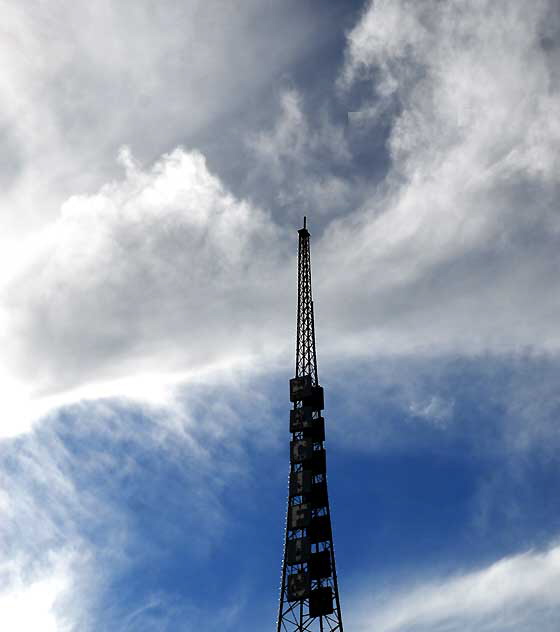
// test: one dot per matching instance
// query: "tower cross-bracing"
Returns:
(309, 599)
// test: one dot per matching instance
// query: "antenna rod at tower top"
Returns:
(306, 357)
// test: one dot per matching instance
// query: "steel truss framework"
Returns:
(309, 599)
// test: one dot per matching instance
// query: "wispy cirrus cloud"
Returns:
(443, 252)
(113, 489)
(30, 602)
(515, 593)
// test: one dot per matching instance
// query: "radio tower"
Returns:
(309, 598)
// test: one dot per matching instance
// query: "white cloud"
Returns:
(459, 249)
(31, 608)
(31, 604)
(162, 273)
(434, 409)
(515, 594)
(70, 496)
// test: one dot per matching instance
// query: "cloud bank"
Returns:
(165, 271)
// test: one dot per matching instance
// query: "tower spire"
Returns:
(309, 599)
(306, 354)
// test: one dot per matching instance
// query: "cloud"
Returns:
(434, 409)
(515, 593)
(492, 405)
(162, 75)
(161, 272)
(303, 161)
(161, 277)
(30, 604)
(458, 249)
(165, 273)
(111, 489)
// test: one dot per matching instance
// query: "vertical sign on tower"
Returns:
(309, 599)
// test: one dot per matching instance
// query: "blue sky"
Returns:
(157, 160)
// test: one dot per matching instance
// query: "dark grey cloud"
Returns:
(80, 80)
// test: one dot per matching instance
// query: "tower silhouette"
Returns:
(309, 599)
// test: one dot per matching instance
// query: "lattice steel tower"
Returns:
(309, 598)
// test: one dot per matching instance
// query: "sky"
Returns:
(157, 159)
